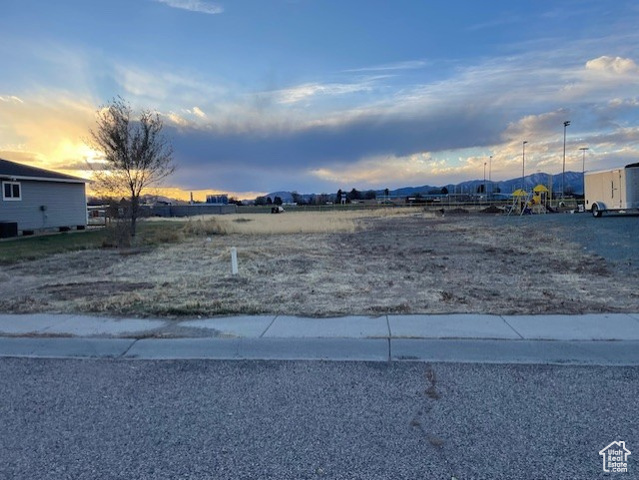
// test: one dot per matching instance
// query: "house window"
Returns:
(11, 191)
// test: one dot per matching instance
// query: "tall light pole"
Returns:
(485, 192)
(523, 162)
(583, 168)
(563, 170)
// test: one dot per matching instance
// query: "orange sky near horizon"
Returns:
(52, 131)
(446, 95)
(174, 193)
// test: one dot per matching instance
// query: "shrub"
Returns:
(117, 234)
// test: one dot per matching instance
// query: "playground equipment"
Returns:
(529, 203)
(539, 201)
(520, 201)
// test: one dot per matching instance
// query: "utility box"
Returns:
(615, 190)
(8, 229)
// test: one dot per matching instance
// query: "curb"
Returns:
(533, 352)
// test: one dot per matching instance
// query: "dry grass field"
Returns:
(327, 264)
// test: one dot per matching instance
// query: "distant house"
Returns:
(217, 199)
(38, 199)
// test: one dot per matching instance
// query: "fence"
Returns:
(186, 210)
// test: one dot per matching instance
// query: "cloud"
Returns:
(625, 136)
(141, 83)
(612, 65)
(200, 6)
(377, 171)
(321, 151)
(536, 126)
(166, 89)
(198, 113)
(178, 120)
(442, 129)
(46, 130)
(378, 130)
(624, 102)
(10, 98)
(305, 91)
(406, 65)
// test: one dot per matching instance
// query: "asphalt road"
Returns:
(93, 419)
(613, 237)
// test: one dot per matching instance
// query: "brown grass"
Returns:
(286, 223)
(324, 264)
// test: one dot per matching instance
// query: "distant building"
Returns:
(217, 199)
(37, 199)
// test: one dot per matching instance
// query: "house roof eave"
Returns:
(42, 179)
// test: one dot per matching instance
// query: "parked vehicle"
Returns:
(615, 190)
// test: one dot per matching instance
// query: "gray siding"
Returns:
(63, 205)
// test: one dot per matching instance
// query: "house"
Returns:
(37, 199)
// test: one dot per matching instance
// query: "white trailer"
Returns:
(615, 190)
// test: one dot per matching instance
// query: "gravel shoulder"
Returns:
(308, 420)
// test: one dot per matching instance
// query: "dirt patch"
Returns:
(406, 264)
(73, 291)
(492, 209)
(455, 211)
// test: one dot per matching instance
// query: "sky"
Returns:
(260, 96)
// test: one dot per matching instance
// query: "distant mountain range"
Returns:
(573, 184)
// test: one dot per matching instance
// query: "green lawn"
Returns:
(31, 248)
(39, 246)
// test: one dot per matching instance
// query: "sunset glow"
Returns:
(251, 109)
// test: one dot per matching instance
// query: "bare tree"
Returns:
(136, 153)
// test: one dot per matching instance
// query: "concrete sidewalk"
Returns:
(616, 326)
(573, 339)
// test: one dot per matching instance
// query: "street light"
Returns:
(523, 162)
(485, 193)
(563, 170)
